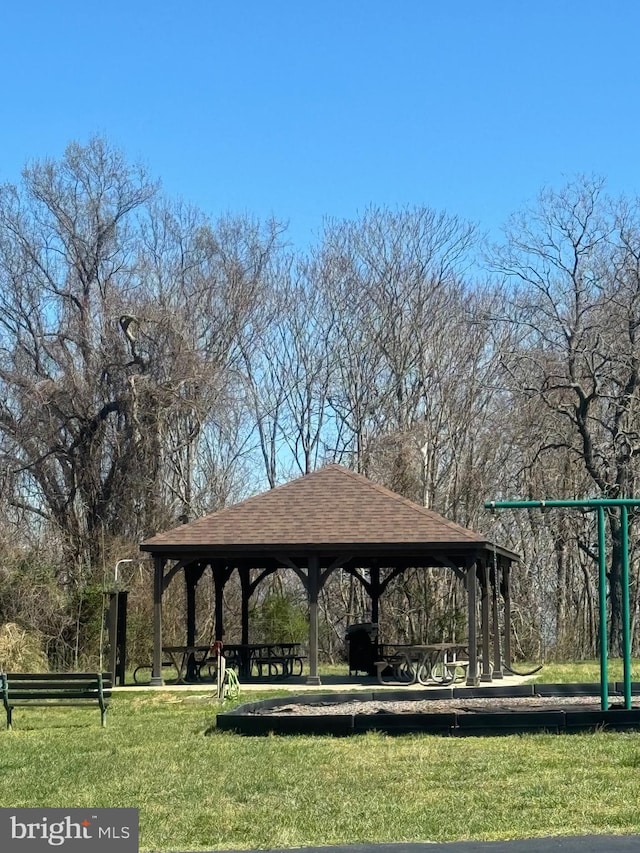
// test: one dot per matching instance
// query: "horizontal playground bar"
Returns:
(592, 503)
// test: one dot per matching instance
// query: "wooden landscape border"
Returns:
(570, 719)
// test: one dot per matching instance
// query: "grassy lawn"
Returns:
(581, 671)
(551, 673)
(197, 791)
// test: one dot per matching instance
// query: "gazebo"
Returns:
(321, 522)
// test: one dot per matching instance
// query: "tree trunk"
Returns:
(614, 576)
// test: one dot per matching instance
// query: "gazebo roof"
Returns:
(328, 509)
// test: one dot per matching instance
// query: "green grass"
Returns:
(551, 673)
(197, 791)
(581, 671)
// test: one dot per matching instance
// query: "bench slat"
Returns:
(92, 696)
(57, 693)
(58, 676)
(55, 703)
(55, 688)
(78, 683)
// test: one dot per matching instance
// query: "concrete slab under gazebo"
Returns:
(328, 520)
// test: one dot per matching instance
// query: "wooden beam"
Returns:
(485, 675)
(312, 591)
(374, 573)
(494, 577)
(173, 572)
(289, 564)
(221, 574)
(245, 586)
(158, 586)
(506, 597)
(339, 563)
(472, 672)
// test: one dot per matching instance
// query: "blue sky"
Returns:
(311, 109)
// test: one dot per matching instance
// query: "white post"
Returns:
(222, 665)
(118, 564)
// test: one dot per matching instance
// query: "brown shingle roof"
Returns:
(332, 506)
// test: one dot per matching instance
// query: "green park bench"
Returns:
(55, 688)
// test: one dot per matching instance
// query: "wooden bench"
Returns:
(55, 688)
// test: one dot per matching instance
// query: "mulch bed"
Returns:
(433, 706)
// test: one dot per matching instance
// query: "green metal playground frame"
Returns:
(599, 504)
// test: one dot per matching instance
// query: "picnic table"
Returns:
(429, 663)
(187, 660)
(275, 660)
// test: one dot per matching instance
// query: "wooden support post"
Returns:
(158, 575)
(245, 595)
(190, 580)
(245, 586)
(472, 672)
(313, 588)
(485, 675)
(495, 602)
(220, 576)
(121, 630)
(374, 574)
(506, 597)
(191, 576)
(113, 634)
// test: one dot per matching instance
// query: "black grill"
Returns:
(362, 647)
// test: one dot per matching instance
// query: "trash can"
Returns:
(362, 647)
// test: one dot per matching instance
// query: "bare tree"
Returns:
(304, 361)
(65, 364)
(574, 264)
(119, 321)
(209, 283)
